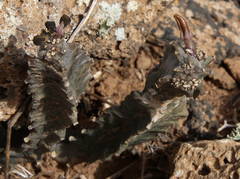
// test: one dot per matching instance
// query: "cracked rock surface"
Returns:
(207, 159)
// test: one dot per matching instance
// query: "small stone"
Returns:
(106, 106)
(83, 131)
(26, 139)
(75, 123)
(53, 154)
(72, 138)
(53, 53)
(97, 75)
(189, 13)
(54, 41)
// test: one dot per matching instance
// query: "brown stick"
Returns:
(12, 121)
(143, 165)
(118, 173)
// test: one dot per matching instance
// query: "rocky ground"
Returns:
(126, 39)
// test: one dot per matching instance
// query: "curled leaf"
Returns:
(185, 32)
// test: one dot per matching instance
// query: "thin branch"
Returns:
(118, 173)
(143, 165)
(12, 121)
(83, 21)
(21, 171)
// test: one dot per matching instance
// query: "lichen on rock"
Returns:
(206, 159)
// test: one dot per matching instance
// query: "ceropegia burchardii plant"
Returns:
(143, 116)
(56, 79)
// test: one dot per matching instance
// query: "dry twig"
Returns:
(12, 121)
(21, 171)
(83, 21)
(118, 173)
(143, 165)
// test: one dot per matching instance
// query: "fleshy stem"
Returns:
(185, 32)
(83, 21)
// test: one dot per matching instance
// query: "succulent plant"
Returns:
(59, 76)
(143, 116)
(56, 79)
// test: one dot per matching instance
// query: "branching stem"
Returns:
(12, 121)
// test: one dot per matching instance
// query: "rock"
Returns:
(222, 78)
(233, 65)
(207, 159)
